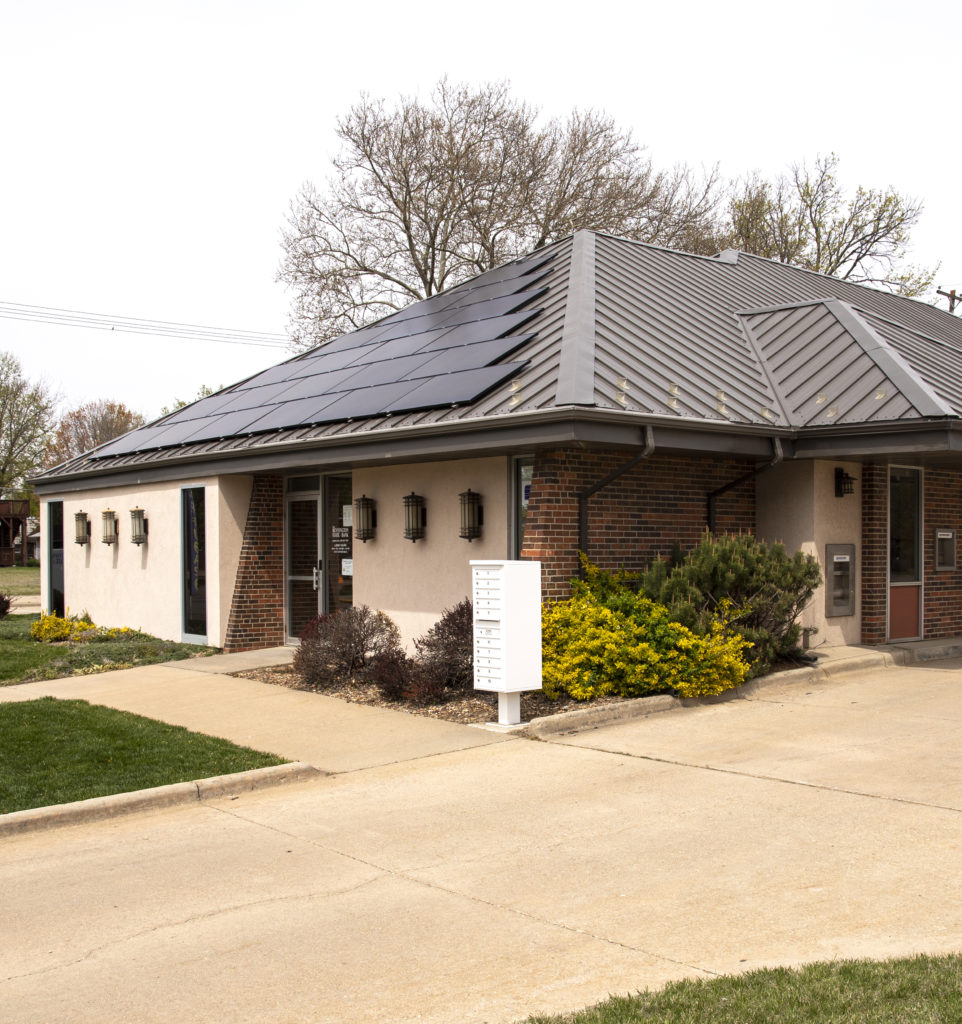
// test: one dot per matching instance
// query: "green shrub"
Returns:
(609, 640)
(338, 647)
(5, 605)
(759, 587)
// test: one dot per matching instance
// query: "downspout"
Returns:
(583, 497)
(716, 494)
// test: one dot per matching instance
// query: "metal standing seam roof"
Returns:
(590, 322)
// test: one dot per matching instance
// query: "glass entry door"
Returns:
(319, 554)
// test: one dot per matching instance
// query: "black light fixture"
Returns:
(472, 514)
(109, 520)
(81, 528)
(138, 526)
(844, 484)
(365, 518)
(415, 516)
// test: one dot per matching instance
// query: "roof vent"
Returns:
(728, 256)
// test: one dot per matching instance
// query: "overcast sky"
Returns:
(152, 149)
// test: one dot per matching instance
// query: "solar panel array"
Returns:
(446, 350)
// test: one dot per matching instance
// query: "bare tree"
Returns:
(26, 410)
(425, 195)
(806, 219)
(89, 426)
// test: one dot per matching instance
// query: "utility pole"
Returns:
(952, 297)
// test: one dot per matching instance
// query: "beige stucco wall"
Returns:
(124, 584)
(415, 581)
(796, 505)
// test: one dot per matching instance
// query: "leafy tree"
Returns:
(425, 195)
(89, 426)
(25, 413)
(179, 403)
(805, 218)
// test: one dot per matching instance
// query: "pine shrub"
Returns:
(758, 588)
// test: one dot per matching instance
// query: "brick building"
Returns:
(598, 395)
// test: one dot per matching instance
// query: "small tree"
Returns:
(26, 409)
(89, 426)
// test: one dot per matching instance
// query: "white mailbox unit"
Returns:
(507, 632)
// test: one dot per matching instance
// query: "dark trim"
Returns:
(713, 496)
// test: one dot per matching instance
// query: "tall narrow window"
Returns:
(524, 473)
(194, 563)
(904, 526)
(55, 598)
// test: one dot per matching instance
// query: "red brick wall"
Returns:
(257, 608)
(875, 546)
(941, 507)
(635, 519)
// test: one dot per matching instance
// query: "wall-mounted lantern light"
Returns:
(110, 527)
(365, 518)
(472, 514)
(81, 528)
(415, 516)
(844, 484)
(138, 526)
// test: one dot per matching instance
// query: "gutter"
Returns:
(583, 497)
(713, 496)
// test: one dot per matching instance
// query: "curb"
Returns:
(609, 714)
(97, 808)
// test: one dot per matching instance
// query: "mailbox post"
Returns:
(507, 632)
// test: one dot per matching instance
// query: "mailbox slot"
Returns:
(944, 548)
(839, 579)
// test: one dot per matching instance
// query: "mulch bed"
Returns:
(465, 708)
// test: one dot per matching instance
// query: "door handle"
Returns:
(316, 574)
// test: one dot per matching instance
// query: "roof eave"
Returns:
(565, 425)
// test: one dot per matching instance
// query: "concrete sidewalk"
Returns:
(200, 694)
(820, 819)
(324, 735)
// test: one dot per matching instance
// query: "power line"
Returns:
(138, 325)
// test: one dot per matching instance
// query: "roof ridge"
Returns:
(889, 361)
(576, 362)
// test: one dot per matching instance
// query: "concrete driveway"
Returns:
(484, 883)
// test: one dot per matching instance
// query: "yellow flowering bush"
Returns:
(609, 640)
(51, 629)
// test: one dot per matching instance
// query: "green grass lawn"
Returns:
(916, 990)
(23, 659)
(18, 580)
(57, 751)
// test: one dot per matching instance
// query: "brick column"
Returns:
(257, 608)
(875, 547)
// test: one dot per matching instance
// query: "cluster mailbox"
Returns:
(507, 632)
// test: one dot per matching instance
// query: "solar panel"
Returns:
(436, 352)
(454, 388)
(468, 357)
(479, 330)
